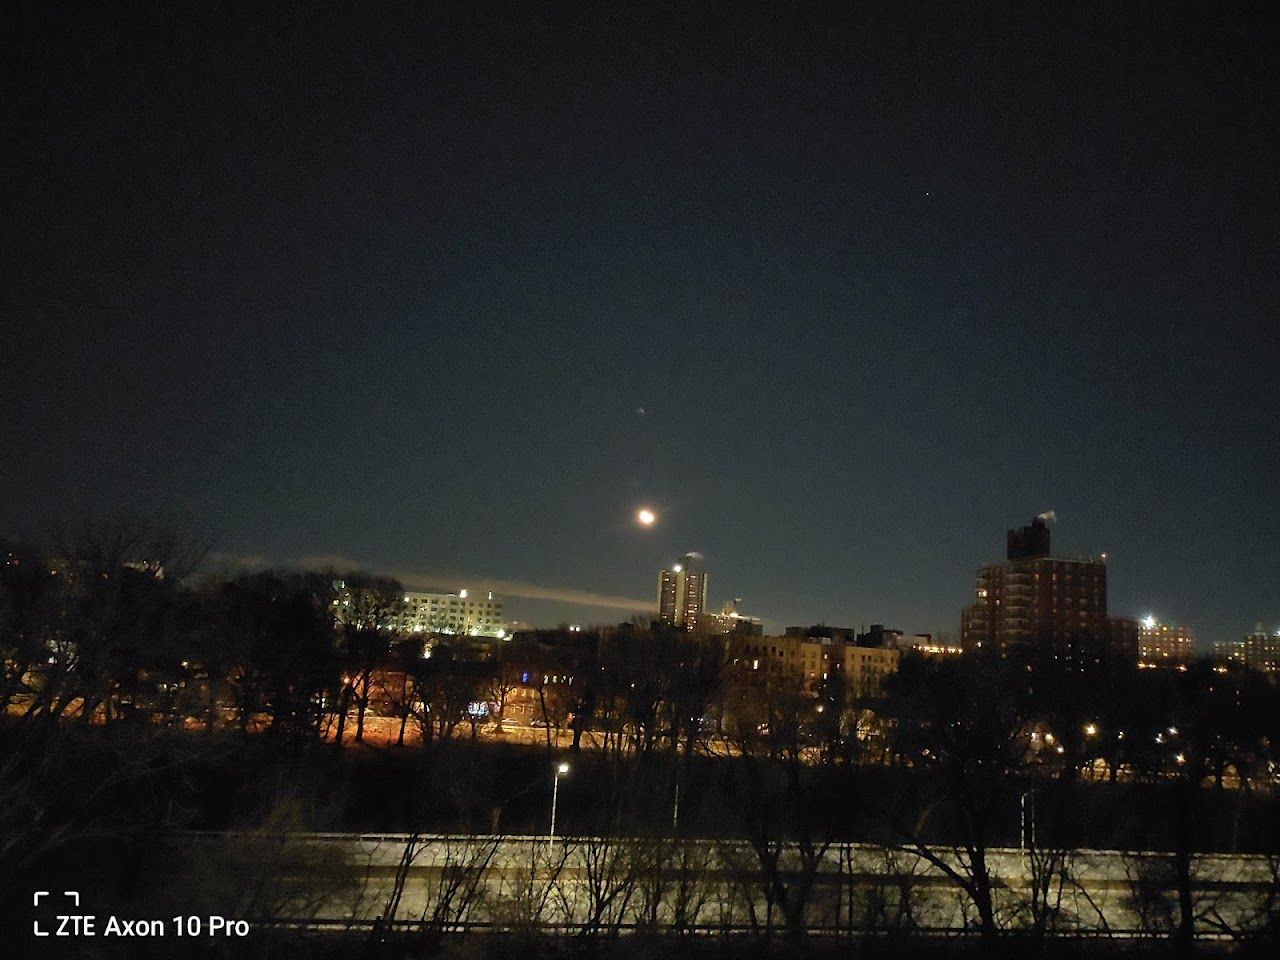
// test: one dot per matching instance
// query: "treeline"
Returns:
(110, 624)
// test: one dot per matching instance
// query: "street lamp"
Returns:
(555, 795)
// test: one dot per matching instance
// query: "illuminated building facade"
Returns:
(729, 620)
(682, 593)
(927, 645)
(1035, 597)
(1162, 644)
(1262, 651)
(812, 659)
(1258, 651)
(867, 668)
(465, 613)
(1228, 652)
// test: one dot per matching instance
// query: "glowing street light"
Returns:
(561, 768)
(646, 517)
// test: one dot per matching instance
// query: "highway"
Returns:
(474, 883)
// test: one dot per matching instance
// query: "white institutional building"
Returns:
(473, 614)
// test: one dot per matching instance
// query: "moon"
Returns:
(646, 517)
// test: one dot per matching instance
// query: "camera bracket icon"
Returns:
(72, 895)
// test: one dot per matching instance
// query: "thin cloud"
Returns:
(252, 561)
(451, 581)
(518, 588)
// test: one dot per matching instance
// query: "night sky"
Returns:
(391, 284)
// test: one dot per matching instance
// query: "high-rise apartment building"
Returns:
(682, 593)
(1054, 601)
(1162, 644)
(1257, 651)
(1262, 651)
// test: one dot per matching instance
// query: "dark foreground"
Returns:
(286, 946)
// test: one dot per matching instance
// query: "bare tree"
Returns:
(529, 892)
(273, 872)
(611, 868)
(274, 650)
(675, 885)
(453, 882)
(498, 687)
(445, 687)
(778, 796)
(960, 723)
(368, 613)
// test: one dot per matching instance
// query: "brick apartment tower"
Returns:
(1034, 597)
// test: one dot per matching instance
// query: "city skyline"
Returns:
(541, 605)
(838, 297)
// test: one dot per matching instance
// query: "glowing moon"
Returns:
(646, 517)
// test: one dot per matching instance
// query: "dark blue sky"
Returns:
(392, 285)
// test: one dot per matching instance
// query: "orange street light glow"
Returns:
(646, 517)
